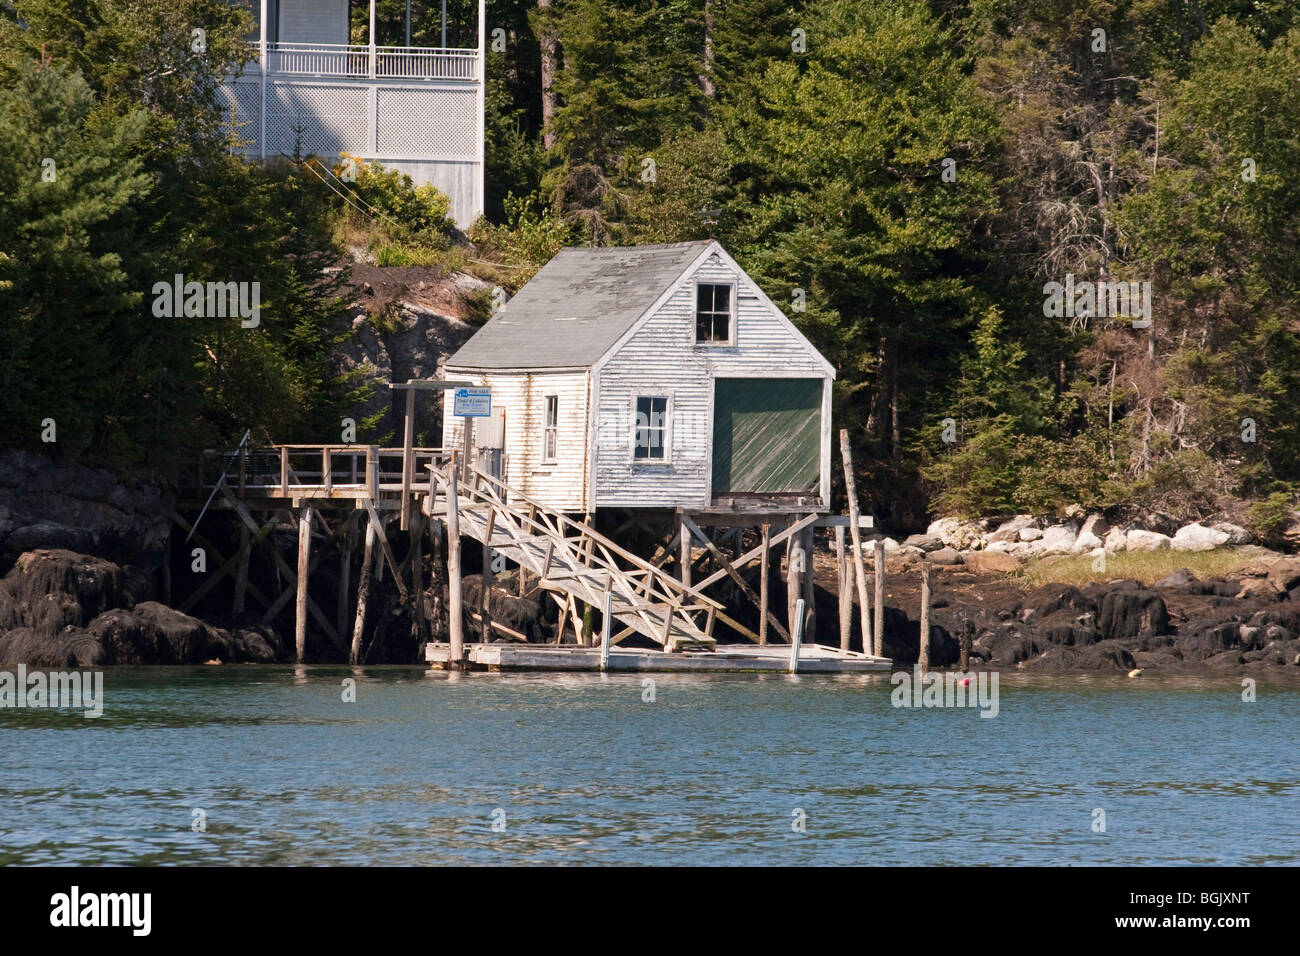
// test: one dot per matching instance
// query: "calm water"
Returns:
(585, 771)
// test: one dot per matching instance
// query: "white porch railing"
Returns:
(339, 59)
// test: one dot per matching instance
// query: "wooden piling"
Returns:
(685, 550)
(408, 458)
(456, 635)
(763, 575)
(880, 597)
(363, 592)
(923, 651)
(241, 575)
(810, 601)
(794, 568)
(304, 567)
(842, 590)
(485, 592)
(606, 622)
(418, 621)
(851, 490)
(796, 636)
(345, 580)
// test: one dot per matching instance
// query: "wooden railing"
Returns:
(643, 585)
(354, 60)
(316, 471)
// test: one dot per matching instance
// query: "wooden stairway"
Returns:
(574, 562)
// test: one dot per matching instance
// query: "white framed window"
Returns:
(551, 429)
(651, 431)
(715, 313)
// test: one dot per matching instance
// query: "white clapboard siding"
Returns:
(661, 358)
(313, 21)
(562, 485)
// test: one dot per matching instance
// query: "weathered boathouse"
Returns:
(651, 377)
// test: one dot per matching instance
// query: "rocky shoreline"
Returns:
(82, 553)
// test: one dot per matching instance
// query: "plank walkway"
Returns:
(726, 658)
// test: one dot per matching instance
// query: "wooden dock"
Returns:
(725, 658)
(560, 556)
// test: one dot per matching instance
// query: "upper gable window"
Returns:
(714, 318)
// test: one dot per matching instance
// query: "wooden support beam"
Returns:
(923, 651)
(387, 550)
(485, 606)
(241, 576)
(408, 458)
(752, 553)
(843, 592)
(498, 627)
(764, 573)
(212, 549)
(455, 624)
(797, 636)
(419, 625)
(810, 604)
(606, 623)
(685, 535)
(689, 527)
(794, 568)
(244, 515)
(304, 571)
(345, 578)
(851, 490)
(363, 593)
(880, 599)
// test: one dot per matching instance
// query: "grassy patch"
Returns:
(1145, 566)
(407, 254)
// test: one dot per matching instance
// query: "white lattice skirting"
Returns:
(430, 133)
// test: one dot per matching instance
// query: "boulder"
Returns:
(1068, 627)
(946, 556)
(1258, 589)
(1197, 537)
(1160, 522)
(1140, 540)
(1237, 535)
(1095, 524)
(1087, 542)
(1176, 579)
(957, 533)
(1030, 534)
(1206, 639)
(1116, 540)
(923, 542)
(1129, 613)
(1058, 539)
(992, 562)
(1010, 530)
(1284, 574)
(1050, 598)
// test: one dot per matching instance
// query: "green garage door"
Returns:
(766, 435)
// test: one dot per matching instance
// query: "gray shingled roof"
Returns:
(576, 307)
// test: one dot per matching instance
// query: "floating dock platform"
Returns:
(727, 658)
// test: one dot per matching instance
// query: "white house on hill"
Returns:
(419, 110)
(652, 377)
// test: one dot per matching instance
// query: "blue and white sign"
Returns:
(472, 402)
